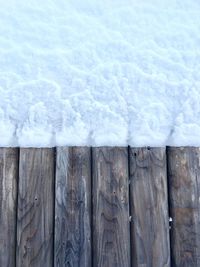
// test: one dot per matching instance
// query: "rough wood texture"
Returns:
(73, 207)
(111, 236)
(8, 197)
(184, 187)
(35, 208)
(149, 208)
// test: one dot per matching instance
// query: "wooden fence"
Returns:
(85, 207)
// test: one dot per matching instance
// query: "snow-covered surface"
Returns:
(107, 72)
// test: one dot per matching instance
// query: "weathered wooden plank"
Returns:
(8, 200)
(149, 208)
(111, 230)
(35, 208)
(184, 189)
(73, 207)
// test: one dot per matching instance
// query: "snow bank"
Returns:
(107, 72)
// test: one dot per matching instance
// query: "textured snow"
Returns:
(107, 72)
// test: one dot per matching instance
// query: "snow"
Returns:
(99, 72)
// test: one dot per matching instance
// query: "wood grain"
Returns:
(73, 207)
(111, 230)
(35, 208)
(149, 208)
(8, 197)
(184, 188)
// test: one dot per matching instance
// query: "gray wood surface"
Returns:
(111, 227)
(184, 186)
(35, 208)
(149, 208)
(8, 197)
(73, 207)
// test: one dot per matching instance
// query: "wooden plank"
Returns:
(111, 230)
(8, 200)
(73, 207)
(35, 208)
(184, 188)
(149, 208)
